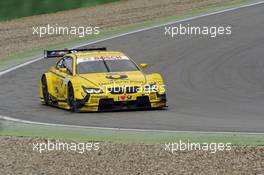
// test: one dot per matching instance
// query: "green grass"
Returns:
(12, 9)
(8, 128)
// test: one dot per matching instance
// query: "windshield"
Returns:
(91, 65)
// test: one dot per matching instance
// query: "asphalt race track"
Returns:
(213, 84)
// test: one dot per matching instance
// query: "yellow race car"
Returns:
(99, 80)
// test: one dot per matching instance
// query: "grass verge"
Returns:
(9, 128)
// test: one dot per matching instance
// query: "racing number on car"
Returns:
(63, 77)
(59, 87)
(63, 87)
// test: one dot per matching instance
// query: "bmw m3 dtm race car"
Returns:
(99, 80)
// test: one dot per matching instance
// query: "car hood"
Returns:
(136, 78)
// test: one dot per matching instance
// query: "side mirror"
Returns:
(63, 70)
(143, 66)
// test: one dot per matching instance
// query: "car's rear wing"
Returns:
(61, 53)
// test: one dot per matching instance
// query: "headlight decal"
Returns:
(92, 90)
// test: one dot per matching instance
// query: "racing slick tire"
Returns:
(46, 96)
(70, 99)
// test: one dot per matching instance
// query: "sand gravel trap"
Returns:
(17, 157)
(16, 35)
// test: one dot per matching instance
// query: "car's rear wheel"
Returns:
(71, 102)
(45, 91)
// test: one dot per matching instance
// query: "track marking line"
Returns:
(120, 35)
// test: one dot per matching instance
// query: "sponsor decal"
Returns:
(122, 97)
(100, 96)
(120, 81)
(58, 53)
(116, 76)
(101, 58)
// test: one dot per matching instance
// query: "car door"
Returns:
(63, 77)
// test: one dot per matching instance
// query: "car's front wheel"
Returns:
(71, 102)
